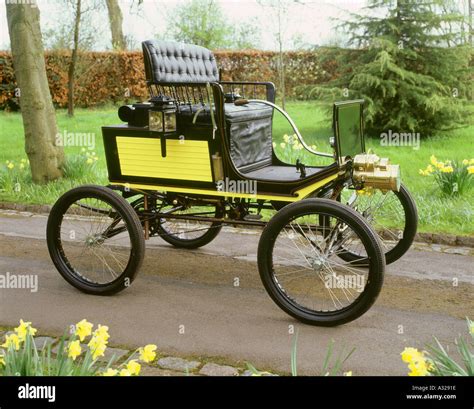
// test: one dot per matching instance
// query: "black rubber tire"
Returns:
(133, 226)
(409, 232)
(206, 238)
(366, 234)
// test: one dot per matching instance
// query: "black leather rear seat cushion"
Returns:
(169, 61)
(249, 127)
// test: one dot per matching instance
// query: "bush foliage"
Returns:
(104, 77)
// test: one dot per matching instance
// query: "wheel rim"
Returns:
(94, 241)
(306, 267)
(384, 212)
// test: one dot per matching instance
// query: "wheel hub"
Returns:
(317, 263)
(94, 240)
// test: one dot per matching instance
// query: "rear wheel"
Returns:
(300, 267)
(95, 240)
(189, 234)
(393, 216)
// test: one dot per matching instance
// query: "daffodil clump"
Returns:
(13, 175)
(77, 355)
(453, 177)
(436, 361)
(82, 165)
(291, 149)
(90, 157)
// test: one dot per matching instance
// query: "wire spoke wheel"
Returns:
(301, 269)
(393, 216)
(95, 239)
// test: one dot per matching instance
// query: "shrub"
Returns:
(114, 76)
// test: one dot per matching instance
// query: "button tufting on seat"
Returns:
(168, 61)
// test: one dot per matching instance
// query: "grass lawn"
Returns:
(437, 213)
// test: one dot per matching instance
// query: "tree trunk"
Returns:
(281, 61)
(115, 20)
(39, 117)
(72, 64)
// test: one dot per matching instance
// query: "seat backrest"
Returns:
(172, 62)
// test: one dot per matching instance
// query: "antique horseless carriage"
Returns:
(328, 231)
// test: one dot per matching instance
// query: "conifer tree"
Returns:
(411, 65)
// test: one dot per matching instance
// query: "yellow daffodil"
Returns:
(83, 329)
(12, 340)
(134, 367)
(110, 372)
(422, 172)
(10, 165)
(74, 349)
(440, 165)
(98, 342)
(23, 329)
(471, 162)
(314, 147)
(89, 161)
(147, 353)
(409, 354)
(465, 162)
(417, 363)
(348, 373)
(429, 169)
(447, 169)
(286, 138)
(418, 368)
(102, 332)
(433, 160)
(283, 145)
(125, 372)
(2, 360)
(97, 346)
(470, 169)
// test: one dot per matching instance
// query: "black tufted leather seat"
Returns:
(172, 62)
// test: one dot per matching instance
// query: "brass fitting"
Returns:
(371, 171)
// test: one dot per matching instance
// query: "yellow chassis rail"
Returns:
(299, 194)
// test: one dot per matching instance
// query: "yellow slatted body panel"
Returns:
(185, 160)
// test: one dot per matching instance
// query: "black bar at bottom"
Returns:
(242, 392)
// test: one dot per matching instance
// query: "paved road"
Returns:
(425, 294)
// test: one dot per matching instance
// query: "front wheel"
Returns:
(95, 240)
(300, 268)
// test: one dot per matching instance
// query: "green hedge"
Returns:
(104, 77)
